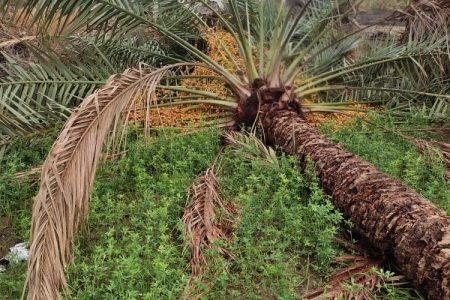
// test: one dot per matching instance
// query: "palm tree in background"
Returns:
(286, 54)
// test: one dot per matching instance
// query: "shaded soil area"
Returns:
(379, 17)
(378, 22)
(7, 237)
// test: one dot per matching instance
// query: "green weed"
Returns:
(133, 246)
(283, 234)
(16, 195)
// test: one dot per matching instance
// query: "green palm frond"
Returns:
(39, 95)
(123, 53)
(387, 68)
(106, 18)
(278, 42)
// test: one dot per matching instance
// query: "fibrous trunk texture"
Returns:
(391, 217)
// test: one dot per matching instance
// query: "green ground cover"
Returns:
(134, 248)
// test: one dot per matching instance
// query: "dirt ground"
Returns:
(7, 239)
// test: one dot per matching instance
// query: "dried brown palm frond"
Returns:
(14, 41)
(200, 216)
(67, 175)
(253, 147)
(426, 18)
(202, 224)
(31, 175)
(357, 281)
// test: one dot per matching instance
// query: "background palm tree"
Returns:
(286, 55)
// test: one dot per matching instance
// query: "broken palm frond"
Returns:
(31, 175)
(15, 41)
(431, 148)
(317, 114)
(426, 19)
(253, 147)
(68, 173)
(359, 280)
(203, 225)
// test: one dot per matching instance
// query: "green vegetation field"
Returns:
(133, 246)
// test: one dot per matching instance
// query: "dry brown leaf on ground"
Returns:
(203, 225)
(357, 280)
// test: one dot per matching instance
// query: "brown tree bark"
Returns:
(392, 218)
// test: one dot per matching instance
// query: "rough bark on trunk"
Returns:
(391, 217)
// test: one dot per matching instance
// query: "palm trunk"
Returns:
(389, 216)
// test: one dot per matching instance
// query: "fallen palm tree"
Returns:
(289, 55)
(391, 217)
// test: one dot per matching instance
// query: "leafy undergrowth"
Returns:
(16, 198)
(133, 246)
(16, 193)
(283, 241)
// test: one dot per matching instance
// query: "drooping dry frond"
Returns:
(201, 223)
(67, 176)
(253, 147)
